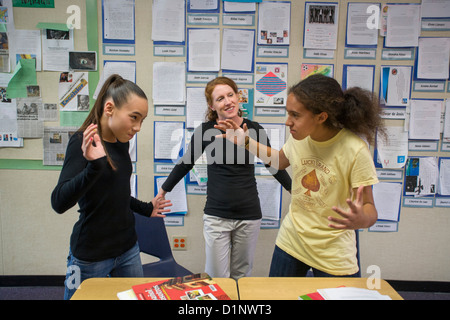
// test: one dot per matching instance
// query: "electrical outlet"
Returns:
(179, 243)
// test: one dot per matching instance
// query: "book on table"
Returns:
(199, 286)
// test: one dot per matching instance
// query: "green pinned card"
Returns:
(34, 3)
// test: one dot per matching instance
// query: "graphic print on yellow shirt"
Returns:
(316, 179)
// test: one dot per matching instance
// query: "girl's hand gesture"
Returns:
(159, 207)
(92, 146)
(234, 133)
(361, 212)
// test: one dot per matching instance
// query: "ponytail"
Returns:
(362, 112)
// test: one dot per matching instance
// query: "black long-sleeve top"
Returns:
(231, 189)
(105, 228)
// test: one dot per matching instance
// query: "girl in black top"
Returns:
(232, 211)
(96, 175)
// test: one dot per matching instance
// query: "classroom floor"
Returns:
(57, 293)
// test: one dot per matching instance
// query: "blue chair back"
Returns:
(152, 237)
(153, 240)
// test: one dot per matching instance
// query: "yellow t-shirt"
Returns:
(323, 175)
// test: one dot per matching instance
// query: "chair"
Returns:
(153, 240)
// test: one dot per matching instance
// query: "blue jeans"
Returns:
(284, 265)
(126, 265)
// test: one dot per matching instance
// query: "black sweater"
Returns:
(231, 191)
(105, 228)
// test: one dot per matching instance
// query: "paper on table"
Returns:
(349, 293)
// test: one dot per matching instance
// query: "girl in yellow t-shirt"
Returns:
(332, 176)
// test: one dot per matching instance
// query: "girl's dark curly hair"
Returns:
(355, 109)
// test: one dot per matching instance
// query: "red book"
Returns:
(198, 286)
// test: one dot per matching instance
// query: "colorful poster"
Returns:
(271, 84)
(313, 68)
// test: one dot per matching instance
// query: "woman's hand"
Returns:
(234, 133)
(92, 146)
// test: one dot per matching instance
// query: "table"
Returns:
(252, 288)
(292, 288)
(107, 288)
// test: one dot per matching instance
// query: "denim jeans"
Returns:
(284, 265)
(126, 265)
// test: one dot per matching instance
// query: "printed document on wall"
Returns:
(169, 83)
(425, 119)
(421, 176)
(204, 50)
(177, 196)
(238, 50)
(118, 21)
(56, 45)
(25, 44)
(168, 20)
(387, 196)
(446, 129)
(444, 177)
(395, 87)
(392, 150)
(358, 32)
(433, 58)
(403, 25)
(321, 25)
(274, 23)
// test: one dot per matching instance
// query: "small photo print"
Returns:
(83, 60)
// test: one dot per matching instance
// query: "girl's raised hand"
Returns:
(92, 146)
(234, 133)
(160, 206)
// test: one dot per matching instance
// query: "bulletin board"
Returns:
(265, 47)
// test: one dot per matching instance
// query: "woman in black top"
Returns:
(232, 212)
(96, 175)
